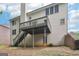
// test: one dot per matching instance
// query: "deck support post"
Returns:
(24, 41)
(33, 37)
(45, 37)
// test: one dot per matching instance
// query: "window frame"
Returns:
(30, 17)
(56, 8)
(52, 10)
(14, 32)
(62, 21)
(47, 11)
(13, 23)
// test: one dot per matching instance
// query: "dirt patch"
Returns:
(40, 51)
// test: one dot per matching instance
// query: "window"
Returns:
(29, 17)
(47, 11)
(62, 21)
(51, 10)
(56, 8)
(13, 22)
(14, 32)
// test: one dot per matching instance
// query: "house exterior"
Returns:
(4, 35)
(41, 27)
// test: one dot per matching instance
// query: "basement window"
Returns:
(62, 21)
(13, 32)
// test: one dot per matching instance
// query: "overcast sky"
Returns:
(13, 10)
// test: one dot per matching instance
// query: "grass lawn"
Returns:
(77, 36)
(3, 46)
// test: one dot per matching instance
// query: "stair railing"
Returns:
(17, 37)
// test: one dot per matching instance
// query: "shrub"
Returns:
(50, 45)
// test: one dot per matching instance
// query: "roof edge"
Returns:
(36, 10)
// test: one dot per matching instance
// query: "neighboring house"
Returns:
(41, 27)
(4, 35)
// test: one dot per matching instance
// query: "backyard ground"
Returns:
(38, 51)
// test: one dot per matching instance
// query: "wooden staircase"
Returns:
(19, 38)
(38, 25)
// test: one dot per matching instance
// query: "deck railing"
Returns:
(42, 21)
(34, 22)
(17, 37)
